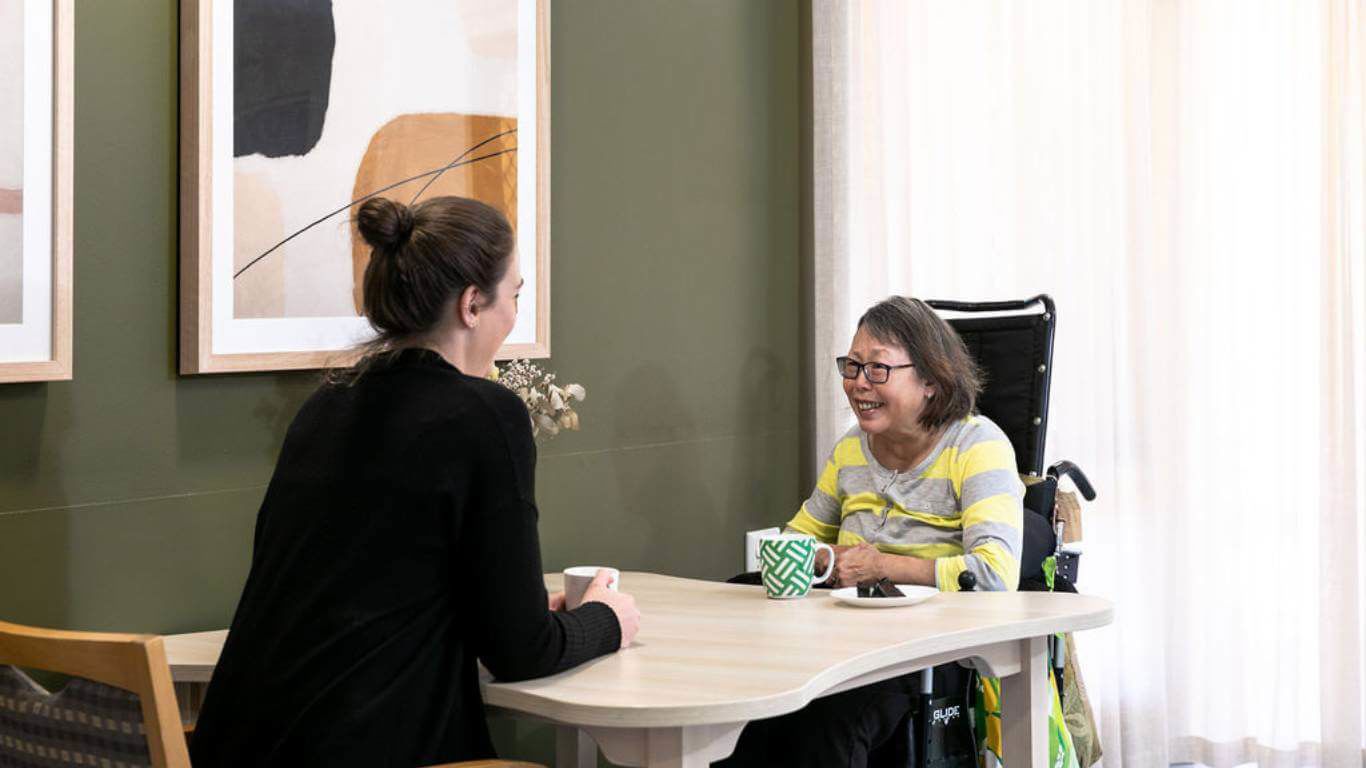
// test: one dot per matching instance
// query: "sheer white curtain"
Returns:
(1188, 180)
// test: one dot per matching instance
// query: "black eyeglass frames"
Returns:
(875, 373)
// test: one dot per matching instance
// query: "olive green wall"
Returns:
(127, 496)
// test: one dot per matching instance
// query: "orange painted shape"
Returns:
(412, 144)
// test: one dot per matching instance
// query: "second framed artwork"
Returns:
(293, 113)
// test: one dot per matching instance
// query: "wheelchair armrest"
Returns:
(1038, 542)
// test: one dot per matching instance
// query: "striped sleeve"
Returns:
(991, 496)
(819, 515)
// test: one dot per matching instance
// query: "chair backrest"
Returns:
(97, 712)
(1016, 354)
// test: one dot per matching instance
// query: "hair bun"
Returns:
(384, 223)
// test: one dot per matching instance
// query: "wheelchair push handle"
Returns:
(1066, 468)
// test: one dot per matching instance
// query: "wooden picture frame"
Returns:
(36, 276)
(230, 195)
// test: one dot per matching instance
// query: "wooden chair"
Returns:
(134, 666)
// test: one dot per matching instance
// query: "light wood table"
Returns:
(710, 657)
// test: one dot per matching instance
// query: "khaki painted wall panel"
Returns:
(146, 565)
(678, 287)
(127, 496)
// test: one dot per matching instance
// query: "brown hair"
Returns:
(422, 258)
(936, 350)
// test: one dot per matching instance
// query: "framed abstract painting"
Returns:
(293, 112)
(35, 189)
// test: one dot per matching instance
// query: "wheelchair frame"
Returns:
(1015, 396)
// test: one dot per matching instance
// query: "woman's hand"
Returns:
(557, 601)
(857, 565)
(622, 604)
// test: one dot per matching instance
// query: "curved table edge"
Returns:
(527, 702)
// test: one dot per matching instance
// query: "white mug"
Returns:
(577, 579)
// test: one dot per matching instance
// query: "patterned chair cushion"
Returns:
(86, 723)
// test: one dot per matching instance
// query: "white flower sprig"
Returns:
(549, 405)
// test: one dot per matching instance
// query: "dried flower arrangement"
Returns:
(549, 405)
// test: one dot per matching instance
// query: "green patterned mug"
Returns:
(786, 562)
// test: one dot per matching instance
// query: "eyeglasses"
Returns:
(875, 373)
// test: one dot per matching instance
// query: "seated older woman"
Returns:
(920, 490)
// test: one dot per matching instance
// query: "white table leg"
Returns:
(574, 749)
(692, 746)
(1025, 703)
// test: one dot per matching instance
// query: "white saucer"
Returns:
(914, 593)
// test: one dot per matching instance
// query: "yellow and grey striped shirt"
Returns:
(960, 507)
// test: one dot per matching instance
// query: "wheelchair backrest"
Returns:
(1015, 352)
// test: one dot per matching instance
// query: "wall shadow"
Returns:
(667, 503)
(231, 426)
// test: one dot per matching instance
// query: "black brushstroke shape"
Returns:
(282, 72)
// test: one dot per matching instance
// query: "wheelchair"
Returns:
(1015, 353)
(1012, 343)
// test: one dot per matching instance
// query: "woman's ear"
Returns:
(468, 306)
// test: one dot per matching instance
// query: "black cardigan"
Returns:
(396, 545)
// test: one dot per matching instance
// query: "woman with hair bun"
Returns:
(397, 545)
